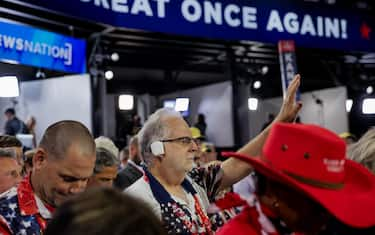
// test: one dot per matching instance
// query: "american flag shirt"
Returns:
(180, 217)
(20, 212)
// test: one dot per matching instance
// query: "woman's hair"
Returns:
(104, 211)
(363, 151)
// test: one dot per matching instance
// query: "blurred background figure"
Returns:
(104, 211)
(136, 125)
(201, 124)
(14, 125)
(363, 151)
(8, 141)
(10, 170)
(198, 137)
(133, 170)
(30, 124)
(124, 157)
(28, 161)
(209, 153)
(348, 137)
(106, 164)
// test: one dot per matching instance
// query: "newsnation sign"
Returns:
(264, 21)
(30, 46)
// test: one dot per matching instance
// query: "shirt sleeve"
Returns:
(209, 178)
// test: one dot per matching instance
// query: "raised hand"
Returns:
(290, 107)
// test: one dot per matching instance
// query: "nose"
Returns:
(78, 187)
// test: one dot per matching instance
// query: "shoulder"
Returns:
(9, 208)
(141, 190)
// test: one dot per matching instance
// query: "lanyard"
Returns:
(162, 196)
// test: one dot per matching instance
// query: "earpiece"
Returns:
(157, 148)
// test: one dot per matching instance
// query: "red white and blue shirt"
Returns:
(179, 216)
(22, 212)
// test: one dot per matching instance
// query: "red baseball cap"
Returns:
(312, 159)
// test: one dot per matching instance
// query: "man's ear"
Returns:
(39, 159)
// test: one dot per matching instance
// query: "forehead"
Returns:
(109, 172)
(76, 162)
(177, 127)
(7, 163)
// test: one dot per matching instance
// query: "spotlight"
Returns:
(126, 102)
(368, 106)
(369, 90)
(9, 86)
(108, 75)
(40, 74)
(257, 84)
(252, 104)
(264, 70)
(349, 104)
(182, 104)
(115, 56)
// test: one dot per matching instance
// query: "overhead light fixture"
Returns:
(108, 74)
(264, 70)
(126, 102)
(253, 104)
(369, 90)
(368, 106)
(40, 74)
(115, 56)
(257, 84)
(170, 104)
(349, 104)
(9, 86)
(182, 104)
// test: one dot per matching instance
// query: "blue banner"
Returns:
(264, 21)
(288, 64)
(35, 47)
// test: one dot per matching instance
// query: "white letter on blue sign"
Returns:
(161, 7)
(249, 17)
(104, 2)
(291, 22)
(229, 10)
(120, 6)
(332, 27)
(274, 22)
(213, 13)
(141, 5)
(308, 26)
(197, 10)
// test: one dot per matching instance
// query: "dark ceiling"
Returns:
(158, 63)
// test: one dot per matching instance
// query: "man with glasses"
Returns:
(168, 150)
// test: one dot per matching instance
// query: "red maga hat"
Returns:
(312, 160)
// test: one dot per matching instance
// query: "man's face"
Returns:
(8, 116)
(179, 154)
(61, 178)
(134, 154)
(10, 173)
(105, 178)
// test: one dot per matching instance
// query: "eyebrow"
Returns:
(73, 178)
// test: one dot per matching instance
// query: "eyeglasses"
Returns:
(183, 140)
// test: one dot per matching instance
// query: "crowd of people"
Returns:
(290, 179)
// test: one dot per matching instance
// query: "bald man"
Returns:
(62, 165)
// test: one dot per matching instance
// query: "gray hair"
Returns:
(153, 130)
(363, 151)
(104, 158)
(8, 153)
